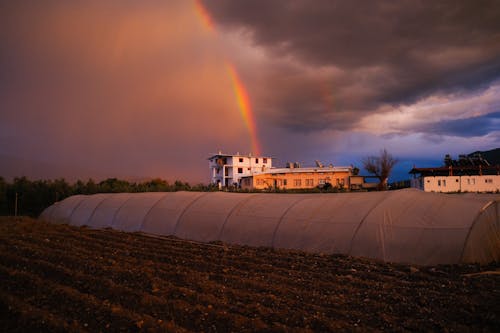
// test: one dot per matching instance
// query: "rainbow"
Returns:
(245, 108)
(203, 15)
(239, 89)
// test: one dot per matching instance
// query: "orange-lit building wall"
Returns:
(296, 180)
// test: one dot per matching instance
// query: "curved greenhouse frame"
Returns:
(407, 226)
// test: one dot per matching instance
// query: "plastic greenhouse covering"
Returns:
(407, 226)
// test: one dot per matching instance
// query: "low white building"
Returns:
(457, 179)
(227, 170)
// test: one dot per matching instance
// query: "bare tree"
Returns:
(381, 166)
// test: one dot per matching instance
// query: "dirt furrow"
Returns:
(58, 277)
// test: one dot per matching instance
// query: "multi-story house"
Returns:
(227, 170)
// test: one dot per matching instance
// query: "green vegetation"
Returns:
(34, 196)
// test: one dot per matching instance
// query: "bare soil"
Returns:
(62, 278)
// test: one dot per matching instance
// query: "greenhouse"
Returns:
(406, 226)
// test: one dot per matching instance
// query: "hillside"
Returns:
(492, 156)
(61, 278)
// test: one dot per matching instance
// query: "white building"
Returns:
(227, 170)
(488, 183)
(457, 179)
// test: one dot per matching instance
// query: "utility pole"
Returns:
(15, 206)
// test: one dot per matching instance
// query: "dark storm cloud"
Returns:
(469, 127)
(387, 52)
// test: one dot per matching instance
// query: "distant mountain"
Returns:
(492, 156)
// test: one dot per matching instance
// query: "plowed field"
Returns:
(61, 278)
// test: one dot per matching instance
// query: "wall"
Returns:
(442, 184)
(487, 183)
(296, 180)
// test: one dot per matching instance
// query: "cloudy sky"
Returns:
(144, 89)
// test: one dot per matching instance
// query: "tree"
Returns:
(180, 186)
(3, 197)
(381, 166)
(114, 185)
(156, 185)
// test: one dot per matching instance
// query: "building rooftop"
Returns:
(457, 170)
(220, 154)
(302, 170)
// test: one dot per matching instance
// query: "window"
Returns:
(439, 182)
(240, 170)
(241, 160)
(321, 182)
(297, 183)
(284, 182)
(256, 160)
(248, 169)
(309, 182)
(488, 181)
(264, 160)
(444, 182)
